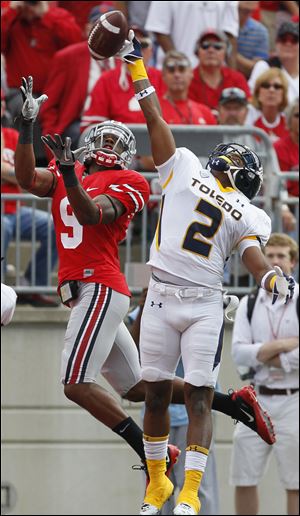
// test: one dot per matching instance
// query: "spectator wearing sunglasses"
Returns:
(270, 99)
(211, 76)
(287, 58)
(176, 107)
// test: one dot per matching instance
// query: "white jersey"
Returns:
(201, 222)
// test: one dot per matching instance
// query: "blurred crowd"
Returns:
(227, 63)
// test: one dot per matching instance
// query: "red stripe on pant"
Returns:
(87, 334)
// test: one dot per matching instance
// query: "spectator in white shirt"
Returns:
(268, 344)
(177, 25)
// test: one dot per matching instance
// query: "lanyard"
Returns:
(185, 120)
(273, 330)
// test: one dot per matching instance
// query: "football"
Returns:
(107, 35)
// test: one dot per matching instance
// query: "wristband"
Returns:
(144, 93)
(137, 70)
(100, 213)
(26, 132)
(69, 176)
(263, 279)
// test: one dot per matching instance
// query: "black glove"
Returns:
(62, 151)
(65, 158)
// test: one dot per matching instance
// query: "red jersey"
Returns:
(110, 101)
(90, 253)
(186, 112)
(10, 139)
(288, 156)
(276, 130)
(203, 93)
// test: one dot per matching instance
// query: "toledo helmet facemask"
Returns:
(241, 164)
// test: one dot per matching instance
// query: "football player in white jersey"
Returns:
(205, 214)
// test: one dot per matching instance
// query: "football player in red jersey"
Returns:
(92, 206)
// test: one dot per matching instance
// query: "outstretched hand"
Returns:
(31, 106)
(284, 286)
(131, 50)
(62, 150)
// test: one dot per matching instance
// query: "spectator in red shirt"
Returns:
(113, 96)
(287, 148)
(80, 10)
(270, 98)
(67, 89)
(211, 76)
(176, 107)
(31, 34)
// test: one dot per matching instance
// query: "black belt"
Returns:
(261, 389)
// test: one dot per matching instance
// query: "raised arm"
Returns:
(37, 181)
(161, 137)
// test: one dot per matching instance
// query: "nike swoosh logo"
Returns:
(90, 189)
(250, 418)
(123, 429)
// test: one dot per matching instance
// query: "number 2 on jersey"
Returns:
(192, 242)
(70, 221)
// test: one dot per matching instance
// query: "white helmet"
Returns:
(123, 150)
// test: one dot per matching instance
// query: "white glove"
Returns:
(284, 286)
(31, 106)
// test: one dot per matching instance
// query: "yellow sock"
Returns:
(160, 487)
(189, 492)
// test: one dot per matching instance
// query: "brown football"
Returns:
(107, 35)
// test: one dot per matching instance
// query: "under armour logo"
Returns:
(156, 304)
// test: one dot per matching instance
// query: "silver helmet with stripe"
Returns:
(110, 143)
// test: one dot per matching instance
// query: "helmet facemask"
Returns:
(123, 150)
(242, 166)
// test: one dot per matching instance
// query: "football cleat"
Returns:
(159, 495)
(147, 508)
(171, 459)
(251, 413)
(184, 508)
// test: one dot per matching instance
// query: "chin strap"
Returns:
(106, 159)
(231, 303)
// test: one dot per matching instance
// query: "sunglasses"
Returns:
(207, 44)
(172, 67)
(269, 85)
(289, 38)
